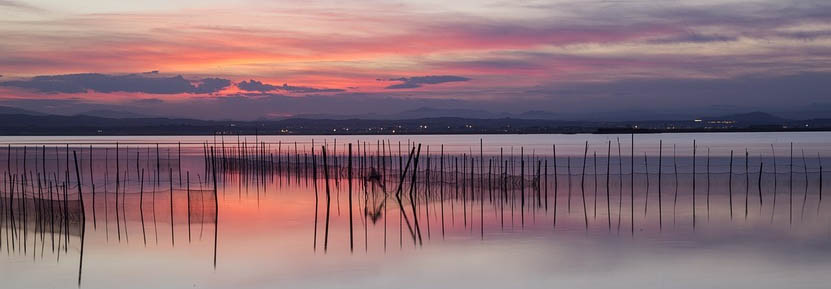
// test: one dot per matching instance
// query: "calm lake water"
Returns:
(525, 211)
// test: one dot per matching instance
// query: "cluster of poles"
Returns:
(503, 182)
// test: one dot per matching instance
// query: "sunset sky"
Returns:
(576, 59)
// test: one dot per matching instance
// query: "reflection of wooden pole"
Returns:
(427, 192)
(328, 199)
(91, 182)
(538, 183)
(490, 185)
(608, 191)
(413, 198)
(594, 167)
(172, 235)
(481, 168)
(522, 185)
(159, 166)
(708, 184)
(179, 163)
(189, 212)
(693, 184)
(646, 176)
(80, 193)
(546, 184)
(141, 208)
(675, 172)
(83, 216)
(805, 194)
(660, 178)
(441, 189)
(759, 183)
(117, 185)
(317, 198)
(216, 204)
(746, 182)
(620, 184)
(819, 160)
(583, 185)
(556, 182)
(790, 188)
(632, 184)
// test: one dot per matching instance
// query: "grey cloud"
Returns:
(734, 18)
(773, 94)
(254, 85)
(304, 89)
(418, 81)
(245, 106)
(210, 85)
(694, 38)
(806, 35)
(634, 99)
(19, 5)
(148, 101)
(148, 82)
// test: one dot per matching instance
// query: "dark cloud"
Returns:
(418, 81)
(792, 96)
(210, 85)
(148, 101)
(694, 38)
(19, 5)
(806, 35)
(504, 64)
(149, 82)
(248, 107)
(254, 85)
(304, 89)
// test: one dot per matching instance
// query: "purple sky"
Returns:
(574, 59)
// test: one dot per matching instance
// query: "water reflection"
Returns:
(274, 200)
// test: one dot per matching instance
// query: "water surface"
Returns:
(522, 217)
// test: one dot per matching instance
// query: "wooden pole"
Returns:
(349, 176)
(583, 185)
(730, 184)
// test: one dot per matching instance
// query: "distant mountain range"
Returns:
(15, 121)
(814, 111)
(106, 113)
(430, 112)
(622, 116)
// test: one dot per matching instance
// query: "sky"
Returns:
(572, 59)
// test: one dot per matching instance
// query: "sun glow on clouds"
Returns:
(500, 48)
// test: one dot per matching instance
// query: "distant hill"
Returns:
(538, 114)
(17, 123)
(431, 112)
(14, 110)
(755, 118)
(113, 114)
